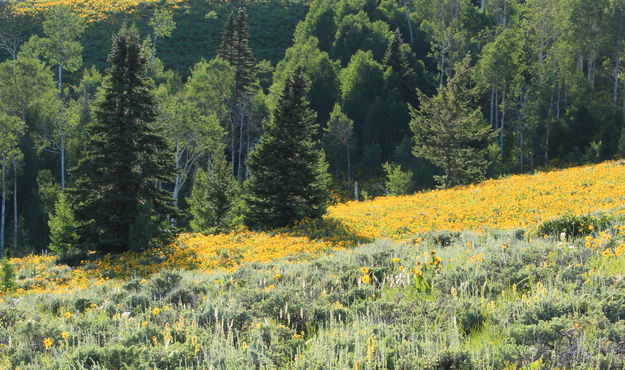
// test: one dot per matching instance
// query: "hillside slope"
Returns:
(515, 202)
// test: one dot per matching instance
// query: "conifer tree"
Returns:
(396, 59)
(289, 180)
(244, 61)
(226, 50)
(450, 130)
(120, 202)
(212, 201)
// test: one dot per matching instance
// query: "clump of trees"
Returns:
(369, 98)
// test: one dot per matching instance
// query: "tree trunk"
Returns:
(178, 181)
(558, 103)
(503, 121)
(3, 207)
(410, 22)
(63, 161)
(232, 150)
(14, 204)
(349, 165)
(617, 66)
(548, 128)
(60, 82)
(483, 5)
(241, 128)
(492, 107)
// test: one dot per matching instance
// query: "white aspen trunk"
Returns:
(232, 150)
(177, 183)
(241, 128)
(492, 106)
(496, 108)
(558, 103)
(3, 211)
(410, 22)
(548, 129)
(503, 122)
(617, 66)
(63, 161)
(14, 204)
(349, 164)
(483, 5)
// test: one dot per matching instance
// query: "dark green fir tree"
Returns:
(121, 204)
(289, 179)
(226, 50)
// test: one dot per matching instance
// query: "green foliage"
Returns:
(64, 239)
(213, 201)
(119, 205)
(398, 182)
(450, 132)
(289, 180)
(7, 276)
(573, 226)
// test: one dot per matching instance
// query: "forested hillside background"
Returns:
(546, 77)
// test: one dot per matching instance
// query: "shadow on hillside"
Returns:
(330, 230)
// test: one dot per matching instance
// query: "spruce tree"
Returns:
(226, 50)
(450, 130)
(397, 60)
(120, 201)
(289, 180)
(244, 61)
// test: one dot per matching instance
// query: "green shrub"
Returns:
(470, 317)
(573, 226)
(163, 283)
(614, 307)
(398, 182)
(7, 276)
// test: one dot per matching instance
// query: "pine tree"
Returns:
(212, 202)
(289, 180)
(64, 238)
(226, 50)
(450, 131)
(118, 187)
(244, 61)
(396, 59)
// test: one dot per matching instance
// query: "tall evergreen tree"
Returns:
(226, 50)
(244, 61)
(450, 131)
(289, 179)
(397, 60)
(120, 202)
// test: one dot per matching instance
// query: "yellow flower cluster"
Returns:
(90, 10)
(521, 201)
(513, 202)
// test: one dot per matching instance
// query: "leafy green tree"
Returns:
(398, 182)
(62, 28)
(289, 180)
(11, 131)
(356, 32)
(213, 199)
(118, 187)
(338, 138)
(162, 24)
(450, 130)
(64, 238)
(320, 69)
(7, 276)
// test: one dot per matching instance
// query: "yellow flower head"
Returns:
(47, 342)
(277, 276)
(144, 324)
(395, 260)
(67, 315)
(365, 279)
(65, 335)
(364, 270)
(166, 308)
(156, 311)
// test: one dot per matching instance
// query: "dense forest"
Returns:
(348, 98)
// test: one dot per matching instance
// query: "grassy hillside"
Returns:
(271, 24)
(479, 277)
